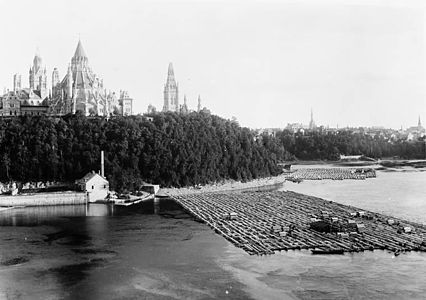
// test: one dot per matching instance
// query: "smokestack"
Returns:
(102, 164)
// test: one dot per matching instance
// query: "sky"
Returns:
(267, 63)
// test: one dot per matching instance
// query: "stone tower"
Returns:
(184, 108)
(199, 104)
(171, 92)
(16, 82)
(69, 83)
(55, 78)
(38, 77)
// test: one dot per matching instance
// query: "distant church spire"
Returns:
(420, 123)
(199, 104)
(312, 123)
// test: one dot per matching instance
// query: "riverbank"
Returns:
(228, 186)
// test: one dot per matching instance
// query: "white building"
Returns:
(96, 186)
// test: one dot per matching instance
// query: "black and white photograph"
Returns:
(212, 149)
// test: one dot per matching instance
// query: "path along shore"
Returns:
(227, 186)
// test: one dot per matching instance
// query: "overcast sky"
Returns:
(356, 63)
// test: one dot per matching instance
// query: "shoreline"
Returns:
(228, 186)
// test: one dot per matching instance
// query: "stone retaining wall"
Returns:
(42, 199)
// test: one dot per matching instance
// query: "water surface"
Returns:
(102, 252)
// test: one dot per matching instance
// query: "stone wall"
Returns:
(41, 199)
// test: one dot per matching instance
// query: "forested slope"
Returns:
(171, 150)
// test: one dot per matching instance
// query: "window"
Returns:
(93, 187)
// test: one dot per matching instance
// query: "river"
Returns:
(101, 252)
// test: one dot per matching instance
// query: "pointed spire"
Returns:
(79, 51)
(170, 83)
(37, 61)
(170, 71)
(199, 104)
(184, 99)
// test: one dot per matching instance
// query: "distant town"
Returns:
(410, 134)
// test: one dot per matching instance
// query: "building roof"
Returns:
(79, 51)
(86, 178)
(24, 95)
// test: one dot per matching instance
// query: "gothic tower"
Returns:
(184, 108)
(199, 104)
(55, 78)
(69, 83)
(171, 92)
(55, 82)
(16, 82)
(38, 77)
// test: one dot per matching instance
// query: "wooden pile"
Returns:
(264, 222)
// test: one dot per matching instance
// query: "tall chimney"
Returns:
(102, 164)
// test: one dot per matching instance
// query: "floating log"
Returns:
(265, 222)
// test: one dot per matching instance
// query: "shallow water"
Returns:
(101, 252)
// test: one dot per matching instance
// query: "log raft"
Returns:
(331, 173)
(262, 223)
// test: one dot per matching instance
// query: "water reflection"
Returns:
(39, 215)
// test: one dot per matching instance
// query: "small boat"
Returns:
(327, 251)
(133, 199)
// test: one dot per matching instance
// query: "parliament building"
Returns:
(79, 90)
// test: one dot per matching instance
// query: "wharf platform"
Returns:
(264, 222)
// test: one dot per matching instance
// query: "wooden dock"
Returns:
(264, 222)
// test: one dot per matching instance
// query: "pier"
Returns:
(265, 222)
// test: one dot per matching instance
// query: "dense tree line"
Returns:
(315, 145)
(169, 149)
